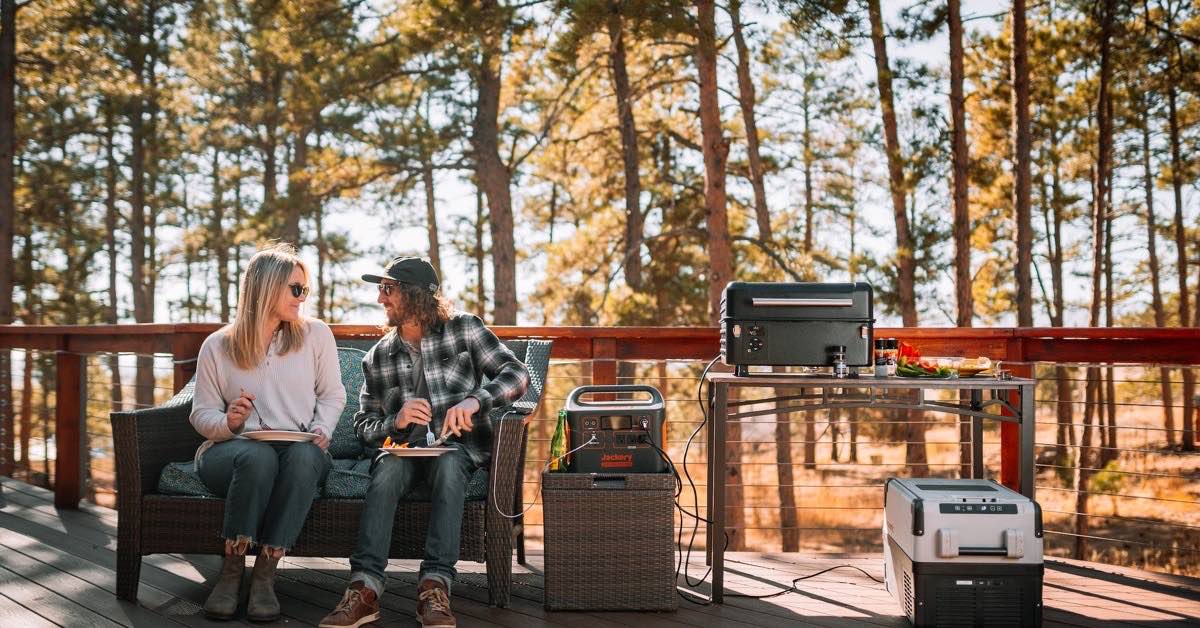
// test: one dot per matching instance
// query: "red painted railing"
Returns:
(602, 347)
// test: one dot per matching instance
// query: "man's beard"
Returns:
(396, 316)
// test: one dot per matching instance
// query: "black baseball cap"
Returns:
(412, 270)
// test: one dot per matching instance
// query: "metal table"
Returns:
(864, 391)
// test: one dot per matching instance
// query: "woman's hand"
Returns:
(459, 418)
(239, 411)
(413, 412)
(322, 440)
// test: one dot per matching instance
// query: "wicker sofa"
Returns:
(163, 509)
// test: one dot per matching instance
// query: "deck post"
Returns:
(69, 429)
(604, 361)
(1010, 433)
(185, 346)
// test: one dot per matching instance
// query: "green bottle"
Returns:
(558, 444)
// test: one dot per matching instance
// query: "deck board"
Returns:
(56, 568)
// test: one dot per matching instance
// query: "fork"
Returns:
(262, 421)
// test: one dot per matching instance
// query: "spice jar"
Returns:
(881, 357)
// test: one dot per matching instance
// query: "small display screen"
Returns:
(978, 509)
(616, 422)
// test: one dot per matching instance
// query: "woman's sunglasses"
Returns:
(298, 290)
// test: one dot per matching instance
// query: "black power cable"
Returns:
(682, 563)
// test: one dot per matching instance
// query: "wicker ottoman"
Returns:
(609, 543)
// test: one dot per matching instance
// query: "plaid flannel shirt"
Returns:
(456, 357)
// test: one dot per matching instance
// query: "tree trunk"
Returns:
(1156, 300)
(808, 155)
(905, 261)
(218, 243)
(789, 521)
(960, 158)
(960, 161)
(238, 213)
(273, 89)
(494, 176)
(29, 317)
(144, 390)
(747, 99)
(1187, 438)
(1110, 399)
(629, 147)
(8, 85)
(324, 304)
(431, 226)
(1021, 176)
(906, 264)
(715, 148)
(298, 203)
(1099, 211)
(810, 440)
(480, 293)
(1082, 475)
(716, 151)
(116, 394)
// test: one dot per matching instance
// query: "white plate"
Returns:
(280, 435)
(417, 452)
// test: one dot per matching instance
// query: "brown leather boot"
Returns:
(359, 606)
(433, 605)
(222, 602)
(263, 605)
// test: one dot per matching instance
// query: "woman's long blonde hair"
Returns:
(265, 280)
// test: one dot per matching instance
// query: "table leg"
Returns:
(977, 436)
(709, 477)
(716, 511)
(1028, 427)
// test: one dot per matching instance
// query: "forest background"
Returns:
(617, 162)
(647, 152)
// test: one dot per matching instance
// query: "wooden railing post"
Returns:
(185, 346)
(1010, 433)
(68, 429)
(604, 361)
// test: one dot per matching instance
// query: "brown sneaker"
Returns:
(359, 606)
(433, 605)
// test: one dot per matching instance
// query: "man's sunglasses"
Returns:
(386, 289)
(298, 290)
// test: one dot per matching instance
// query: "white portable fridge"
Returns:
(962, 552)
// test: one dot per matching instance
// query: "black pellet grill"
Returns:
(608, 541)
(795, 324)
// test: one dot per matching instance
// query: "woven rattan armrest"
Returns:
(147, 440)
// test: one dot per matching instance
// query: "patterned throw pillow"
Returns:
(345, 442)
(180, 478)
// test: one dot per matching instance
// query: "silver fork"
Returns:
(262, 421)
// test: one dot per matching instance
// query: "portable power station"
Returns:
(621, 431)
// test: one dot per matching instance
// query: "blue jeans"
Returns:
(391, 478)
(268, 488)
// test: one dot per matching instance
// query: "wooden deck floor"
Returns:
(56, 568)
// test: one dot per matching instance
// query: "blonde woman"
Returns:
(271, 369)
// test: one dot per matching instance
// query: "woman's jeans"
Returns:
(268, 488)
(391, 478)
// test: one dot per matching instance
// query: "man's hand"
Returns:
(413, 412)
(238, 411)
(458, 418)
(322, 440)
